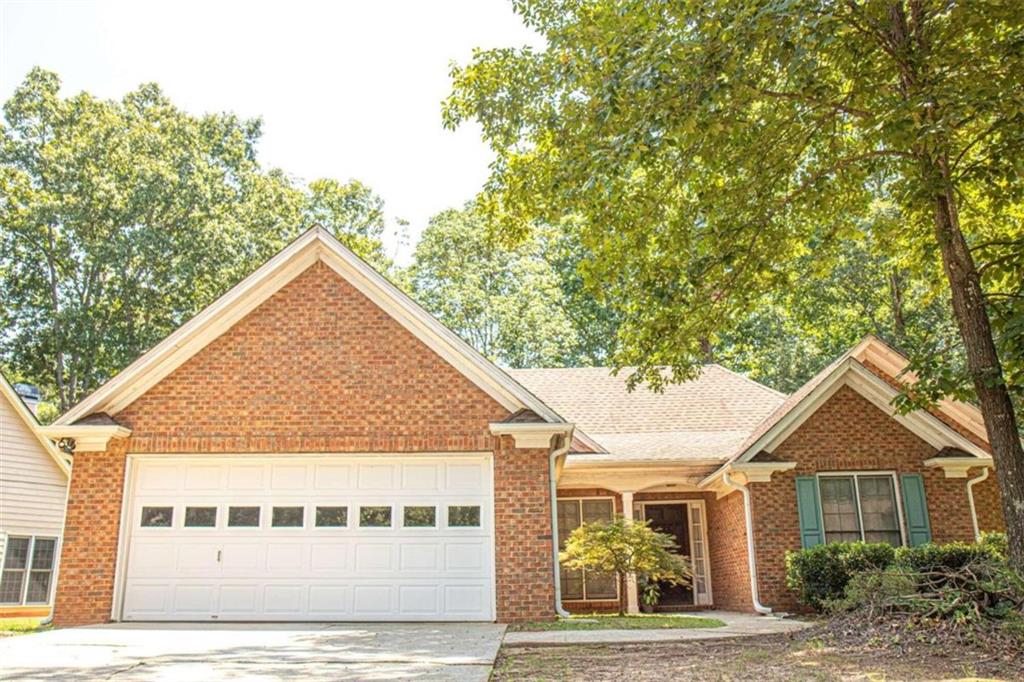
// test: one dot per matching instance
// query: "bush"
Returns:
(952, 556)
(997, 543)
(820, 574)
(873, 590)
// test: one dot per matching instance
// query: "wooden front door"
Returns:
(674, 520)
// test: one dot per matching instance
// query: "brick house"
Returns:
(315, 446)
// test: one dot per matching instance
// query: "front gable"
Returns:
(849, 432)
(317, 366)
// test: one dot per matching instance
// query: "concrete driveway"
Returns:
(250, 651)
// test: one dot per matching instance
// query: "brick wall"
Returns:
(849, 433)
(316, 368)
(85, 586)
(522, 520)
(727, 542)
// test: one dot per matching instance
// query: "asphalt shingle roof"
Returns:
(703, 419)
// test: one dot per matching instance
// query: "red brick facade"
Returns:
(317, 367)
(848, 433)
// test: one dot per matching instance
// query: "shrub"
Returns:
(820, 574)
(952, 556)
(997, 543)
(874, 590)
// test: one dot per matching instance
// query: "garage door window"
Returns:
(464, 516)
(419, 517)
(157, 517)
(331, 517)
(375, 517)
(28, 570)
(200, 517)
(288, 517)
(243, 517)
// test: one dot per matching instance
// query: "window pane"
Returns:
(200, 517)
(43, 553)
(375, 517)
(17, 553)
(419, 517)
(244, 517)
(878, 509)
(464, 516)
(572, 584)
(839, 509)
(600, 585)
(157, 517)
(568, 520)
(10, 586)
(38, 587)
(331, 517)
(598, 510)
(288, 517)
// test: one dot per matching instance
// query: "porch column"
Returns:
(632, 602)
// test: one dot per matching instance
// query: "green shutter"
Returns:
(809, 507)
(915, 509)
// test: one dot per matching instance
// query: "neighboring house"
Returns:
(315, 446)
(33, 489)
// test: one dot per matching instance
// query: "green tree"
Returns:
(121, 219)
(623, 548)
(701, 144)
(505, 302)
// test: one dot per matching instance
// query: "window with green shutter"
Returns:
(851, 507)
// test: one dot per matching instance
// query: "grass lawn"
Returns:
(607, 622)
(18, 626)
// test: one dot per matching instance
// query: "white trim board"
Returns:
(316, 244)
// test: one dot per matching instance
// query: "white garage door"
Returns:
(310, 538)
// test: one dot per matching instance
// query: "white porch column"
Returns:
(632, 602)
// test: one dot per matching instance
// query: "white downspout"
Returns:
(555, 454)
(970, 499)
(752, 561)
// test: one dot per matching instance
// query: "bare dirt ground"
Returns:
(765, 659)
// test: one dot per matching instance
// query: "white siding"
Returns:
(32, 486)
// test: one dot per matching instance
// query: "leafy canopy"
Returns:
(713, 151)
(505, 301)
(121, 219)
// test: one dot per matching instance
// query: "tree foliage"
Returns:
(505, 301)
(626, 547)
(121, 219)
(705, 147)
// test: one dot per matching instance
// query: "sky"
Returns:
(345, 89)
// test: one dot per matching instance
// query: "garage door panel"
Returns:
(310, 572)
(332, 476)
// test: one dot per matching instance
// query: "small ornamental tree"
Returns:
(623, 547)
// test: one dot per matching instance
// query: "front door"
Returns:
(673, 520)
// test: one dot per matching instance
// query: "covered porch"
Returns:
(669, 498)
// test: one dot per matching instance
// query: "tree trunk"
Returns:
(983, 366)
(896, 304)
(622, 594)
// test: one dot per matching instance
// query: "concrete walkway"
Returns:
(736, 625)
(206, 652)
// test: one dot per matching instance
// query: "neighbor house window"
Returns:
(580, 584)
(28, 570)
(860, 507)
